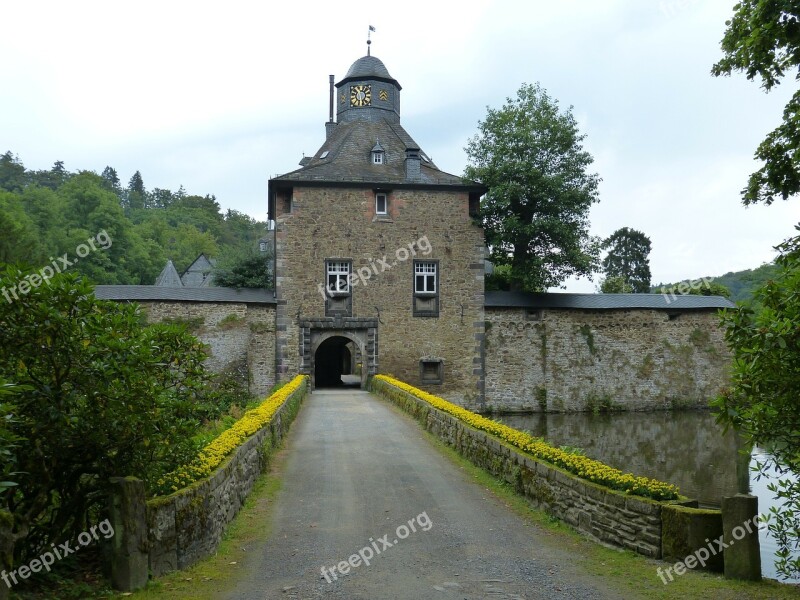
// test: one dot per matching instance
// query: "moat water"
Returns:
(686, 448)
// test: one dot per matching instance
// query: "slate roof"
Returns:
(186, 294)
(604, 301)
(368, 67)
(169, 276)
(349, 158)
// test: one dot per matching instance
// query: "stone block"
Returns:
(742, 555)
(129, 547)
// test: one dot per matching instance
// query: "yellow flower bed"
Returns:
(215, 452)
(582, 466)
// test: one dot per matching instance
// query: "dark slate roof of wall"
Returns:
(184, 294)
(604, 301)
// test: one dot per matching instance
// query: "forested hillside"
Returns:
(741, 284)
(49, 214)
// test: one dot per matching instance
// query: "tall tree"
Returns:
(762, 40)
(135, 193)
(762, 400)
(616, 284)
(530, 156)
(628, 259)
(12, 173)
(19, 240)
(111, 180)
(244, 269)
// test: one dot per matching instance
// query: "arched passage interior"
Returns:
(333, 358)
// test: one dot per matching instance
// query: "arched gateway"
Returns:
(332, 347)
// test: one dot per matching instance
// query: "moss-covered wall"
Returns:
(188, 525)
(240, 337)
(594, 360)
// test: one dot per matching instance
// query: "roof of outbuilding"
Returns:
(169, 276)
(604, 301)
(185, 294)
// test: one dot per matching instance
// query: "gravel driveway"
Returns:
(362, 484)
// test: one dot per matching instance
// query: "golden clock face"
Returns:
(360, 95)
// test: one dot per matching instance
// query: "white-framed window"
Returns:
(425, 277)
(262, 246)
(381, 204)
(377, 158)
(338, 276)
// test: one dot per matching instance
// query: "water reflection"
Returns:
(686, 448)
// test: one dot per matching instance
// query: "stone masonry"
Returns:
(312, 230)
(579, 360)
(240, 336)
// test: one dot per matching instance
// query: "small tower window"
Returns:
(381, 204)
(378, 154)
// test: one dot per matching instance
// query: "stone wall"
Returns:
(241, 337)
(600, 513)
(188, 525)
(578, 360)
(319, 223)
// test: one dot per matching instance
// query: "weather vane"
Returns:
(369, 41)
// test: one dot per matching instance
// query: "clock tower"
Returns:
(368, 92)
(379, 258)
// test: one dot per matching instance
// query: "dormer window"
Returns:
(378, 154)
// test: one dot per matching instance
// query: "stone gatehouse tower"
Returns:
(379, 259)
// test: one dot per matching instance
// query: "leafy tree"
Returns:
(248, 269)
(186, 243)
(18, 236)
(201, 212)
(12, 173)
(499, 280)
(762, 400)
(159, 198)
(119, 254)
(536, 213)
(711, 288)
(628, 258)
(53, 178)
(616, 284)
(9, 441)
(762, 40)
(111, 180)
(106, 396)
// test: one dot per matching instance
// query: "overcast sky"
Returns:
(218, 97)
